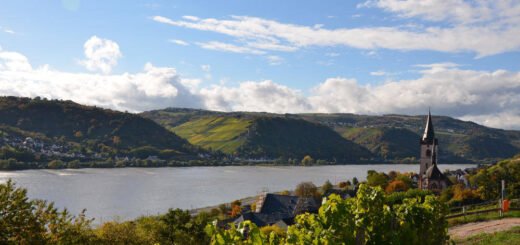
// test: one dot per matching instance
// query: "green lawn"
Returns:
(510, 237)
(215, 132)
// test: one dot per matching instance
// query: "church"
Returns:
(430, 177)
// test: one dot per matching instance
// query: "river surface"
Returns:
(127, 193)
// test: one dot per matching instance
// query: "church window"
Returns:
(428, 153)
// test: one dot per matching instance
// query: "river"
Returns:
(127, 193)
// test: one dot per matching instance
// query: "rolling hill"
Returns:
(388, 137)
(256, 135)
(87, 127)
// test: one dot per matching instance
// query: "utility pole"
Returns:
(503, 198)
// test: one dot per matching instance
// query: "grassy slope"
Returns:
(213, 132)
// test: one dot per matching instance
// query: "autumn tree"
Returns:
(396, 186)
(307, 160)
(306, 189)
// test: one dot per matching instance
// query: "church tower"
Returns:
(429, 149)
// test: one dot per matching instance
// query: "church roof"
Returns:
(429, 134)
(433, 172)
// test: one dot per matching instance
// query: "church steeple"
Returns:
(429, 134)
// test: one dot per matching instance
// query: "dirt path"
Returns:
(463, 231)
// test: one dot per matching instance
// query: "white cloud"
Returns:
(438, 65)
(458, 11)
(490, 98)
(189, 17)
(153, 88)
(101, 54)
(274, 60)
(378, 73)
(332, 54)
(7, 30)
(227, 47)
(205, 67)
(180, 42)
(255, 96)
(493, 37)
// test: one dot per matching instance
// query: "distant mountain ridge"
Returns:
(388, 137)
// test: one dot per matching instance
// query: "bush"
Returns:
(327, 186)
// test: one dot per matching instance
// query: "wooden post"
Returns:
(464, 210)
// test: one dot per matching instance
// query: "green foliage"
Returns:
(488, 179)
(399, 197)
(366, 219)
(144, 151)
(377, 179)
(24, 221)
(327, 186)
(181, 228)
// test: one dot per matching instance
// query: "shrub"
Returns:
(327, 186)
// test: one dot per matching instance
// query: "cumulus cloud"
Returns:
(487, 97)
(490, 98)
(255, 96)
(101, 54)
(493, 36)
(153, 88)
(180, 42)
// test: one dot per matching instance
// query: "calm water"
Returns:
(130, 192)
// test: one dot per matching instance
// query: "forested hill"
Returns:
(257, 135)
(91, 127)
(391, 137)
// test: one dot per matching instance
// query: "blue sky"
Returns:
(370, 57)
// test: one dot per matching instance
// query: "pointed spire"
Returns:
(429, 135)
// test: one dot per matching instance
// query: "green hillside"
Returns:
(92, 128)
(225, 134)
(296, 138)
(459, 140)
(257, 135)
(391, 137)
(387, 142)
